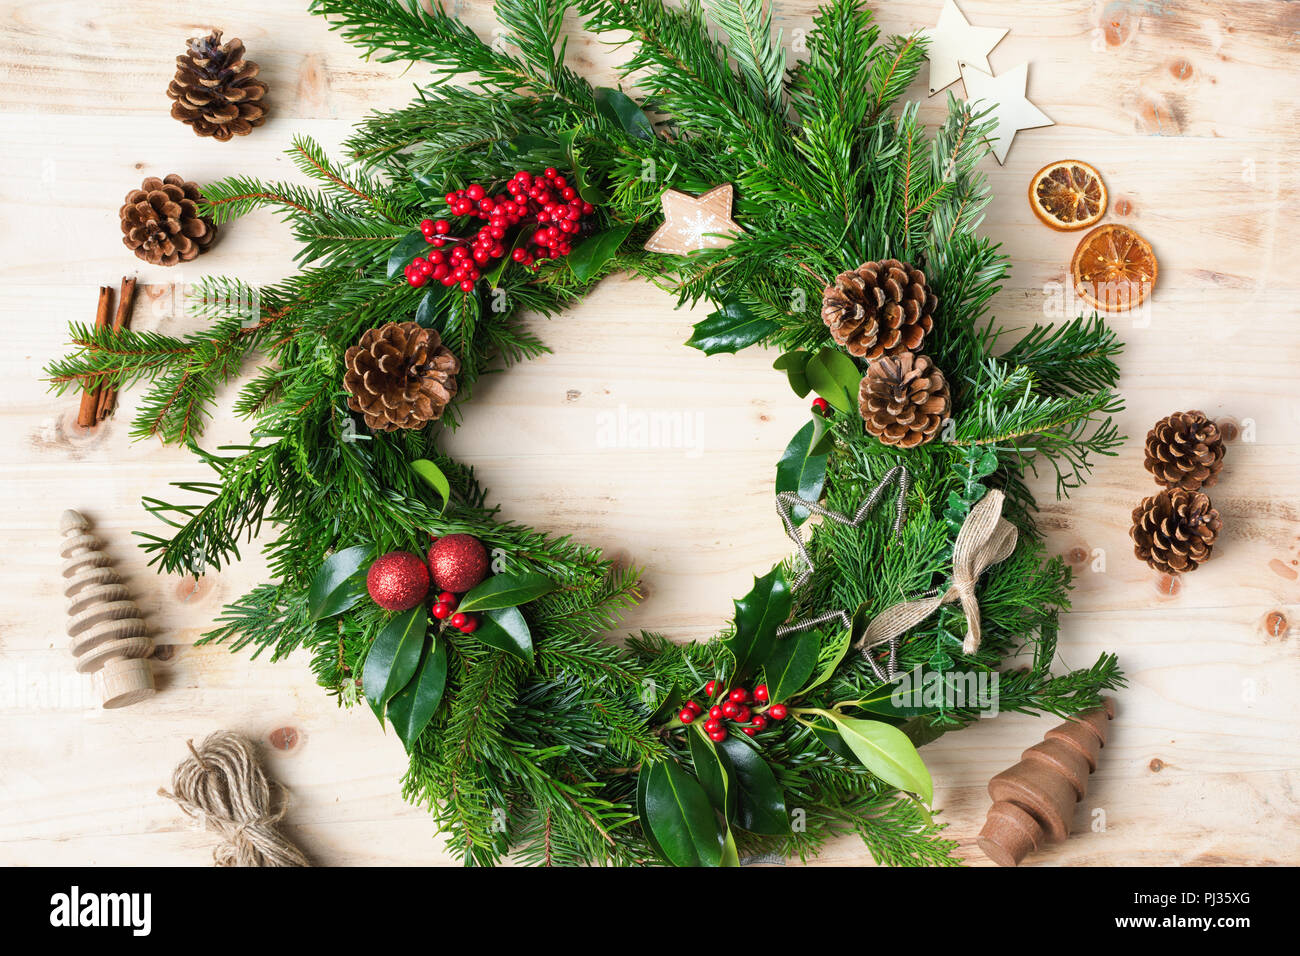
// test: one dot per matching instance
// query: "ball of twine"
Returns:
(224, 787)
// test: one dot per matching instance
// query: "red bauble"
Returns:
(398, 581)
(459, 562)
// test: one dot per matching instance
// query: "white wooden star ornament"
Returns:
(1012, 112)
(692, 223)
(954, 42)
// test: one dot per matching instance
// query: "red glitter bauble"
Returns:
(398, 581)
(458, 562)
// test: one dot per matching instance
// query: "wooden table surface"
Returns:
(1190, 110)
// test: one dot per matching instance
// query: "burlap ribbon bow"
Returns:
(985, 539)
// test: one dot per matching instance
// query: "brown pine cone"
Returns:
(1174, 530)
(1184, 450)
(216, 90)
(904, 400)
(161, 222)
(400, 376)
(879, 308)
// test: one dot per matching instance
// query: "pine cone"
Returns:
(904, 400)
(1184, 450)
(879, 308)
(161, 222)
(216, 90)
(400, 376)
(1174, 530)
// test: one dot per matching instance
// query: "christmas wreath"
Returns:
(852, 249)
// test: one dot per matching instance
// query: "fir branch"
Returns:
(1067, 430)
(759, 57)
(405, 30)
(1076, 357)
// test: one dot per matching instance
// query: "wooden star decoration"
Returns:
(1012, 111)
(692, 223)
(954, 42)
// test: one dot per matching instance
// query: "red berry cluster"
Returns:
(739, 705)
(444, 609)
(546, 202)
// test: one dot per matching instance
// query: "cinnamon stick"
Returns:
(90, 396)
(125, 299)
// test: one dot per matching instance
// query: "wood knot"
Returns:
(284, 739)
(1123, 206)
(164, 652)
(1228, 429)
(1156, 765)
(1276, 624)
(1169, 584)
(1076, 555)
(1181, 69)
(1119, 22)
(190, 589)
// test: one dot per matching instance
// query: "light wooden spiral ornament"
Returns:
(108, 636)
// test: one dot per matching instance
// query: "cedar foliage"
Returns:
(830, 171)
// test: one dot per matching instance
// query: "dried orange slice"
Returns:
(1114, 268)
(1068, 195)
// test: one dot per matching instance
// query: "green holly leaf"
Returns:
(412, 707)
(730, 855)
(760, 801)
(433, 475)
(832, 654)
(506, 630)
(835, 377)
(888, 753)
(506, 590)
(339, 584)
(859, 622)
(791, 664)
(730, 329)
(830, 738)
(394, 657)
(642, 790)
(758, 614)
(795, 365)
(530, 152)
(428, 315)
(823, 439)
(427, 190)
(800, 471)
(712, 770)
(623, 111)
(493, 275)
(588, 190)
(922, 730)
(881, 698)
(678, 813)
(593, 252)
(406, 249)
(669, 708)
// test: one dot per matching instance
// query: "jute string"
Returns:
(985, 539)
(224, 787)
